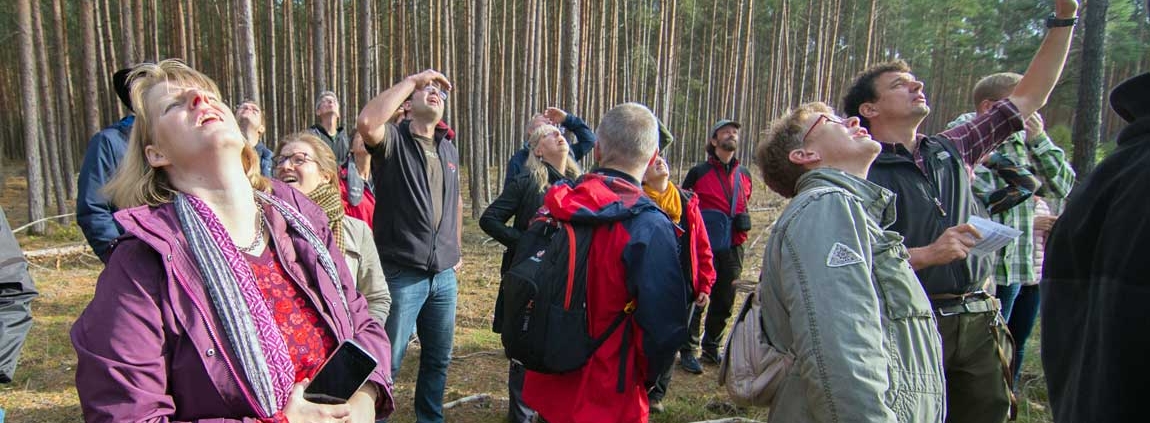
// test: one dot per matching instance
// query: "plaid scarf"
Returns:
(247, 322)
(328, 199)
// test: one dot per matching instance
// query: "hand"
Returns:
(363, 404)
(555, 115)
(954, 244)
(300, 410)
(1034, 126)
(357, 145)
(1044, 223)
(458, 266)
(1065, 9)
(426, 77)
(702, 300)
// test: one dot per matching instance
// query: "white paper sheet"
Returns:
(994, 235)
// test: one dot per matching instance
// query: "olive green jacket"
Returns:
(838, 292)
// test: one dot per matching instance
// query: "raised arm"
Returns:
(1036, 85)
(372, 120)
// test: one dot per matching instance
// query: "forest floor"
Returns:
(44, 389)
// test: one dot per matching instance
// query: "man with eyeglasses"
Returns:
(418, 233)
(251, 121)
(584, 138)
(353, 159)
(934, 203)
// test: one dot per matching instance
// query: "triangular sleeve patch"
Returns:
(842, 255)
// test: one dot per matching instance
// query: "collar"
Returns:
(878, 201)
(618, 174)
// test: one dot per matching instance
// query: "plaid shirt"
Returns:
(1048, 162)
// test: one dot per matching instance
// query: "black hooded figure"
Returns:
(1096, 280)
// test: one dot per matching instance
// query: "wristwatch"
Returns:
(1054, 22)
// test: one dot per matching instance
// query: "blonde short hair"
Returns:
(136, 182)
(628, 135)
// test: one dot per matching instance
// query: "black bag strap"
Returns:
(628, 310)
(732, 195)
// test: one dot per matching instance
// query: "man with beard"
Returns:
(723, 188)
(934, 204)
(418, 233)
(251, 120)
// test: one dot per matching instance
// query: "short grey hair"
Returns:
(319, 100)
(628, 135)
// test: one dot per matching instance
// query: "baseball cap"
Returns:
(721, 123)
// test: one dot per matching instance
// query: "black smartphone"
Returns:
(344, 372)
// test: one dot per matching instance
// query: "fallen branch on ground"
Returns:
(56, 252)
(467, 399)
(34, 222)
(730, 420)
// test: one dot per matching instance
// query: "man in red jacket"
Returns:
(723, 188)
(632, 262)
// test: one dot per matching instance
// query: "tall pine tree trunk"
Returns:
(1088, 121)
(89, 81)
(319, 46)
(247, 51)
(55, 176)
(64, 99)
(30, 102)
(128, 48)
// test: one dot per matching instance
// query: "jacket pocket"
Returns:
(902, 293)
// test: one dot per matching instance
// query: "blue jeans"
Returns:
(423, 301)
(1006, 295)
(1021, 323)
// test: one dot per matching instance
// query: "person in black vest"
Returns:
(1094, 283)
(418, 232)
(934, 203)
(723, 188)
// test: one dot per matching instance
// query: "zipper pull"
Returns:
(938, 204)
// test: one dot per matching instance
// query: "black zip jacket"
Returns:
(404, 233)
(929, 203)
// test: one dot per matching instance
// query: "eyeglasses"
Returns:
(432, 89)
(297, 159)
(823, 118)
(248, 106)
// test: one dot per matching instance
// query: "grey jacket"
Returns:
(838, 292)
(363, 262)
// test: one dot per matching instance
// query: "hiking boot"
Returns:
(711, 357)
(657, 407)
(690, 364)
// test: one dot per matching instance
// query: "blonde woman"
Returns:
(227, 290)
(547, 163)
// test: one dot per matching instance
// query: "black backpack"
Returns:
(543, 322)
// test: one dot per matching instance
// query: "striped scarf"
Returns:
(328, 199)
(247, 322)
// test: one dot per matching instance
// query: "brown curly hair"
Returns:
(773, 155)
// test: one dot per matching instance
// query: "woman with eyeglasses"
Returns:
(836, 288)
(227, 291)
(547, 163)
(305, 162)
